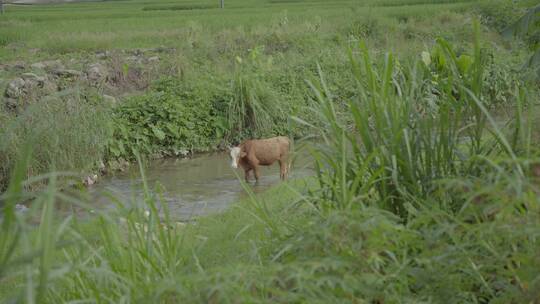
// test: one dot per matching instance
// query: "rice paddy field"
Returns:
(417, 119)
(90, 26)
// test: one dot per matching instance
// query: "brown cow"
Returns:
(253, 153)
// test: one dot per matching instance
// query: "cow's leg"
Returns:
(282, 169)
(256, 169)
(246, 171)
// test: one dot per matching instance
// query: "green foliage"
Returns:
(435, 257)
(182, 115)
(178, 117)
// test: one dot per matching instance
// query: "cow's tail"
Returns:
(291, 154)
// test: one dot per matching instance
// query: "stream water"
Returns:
(191, 187)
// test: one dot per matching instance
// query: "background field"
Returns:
(62, 28)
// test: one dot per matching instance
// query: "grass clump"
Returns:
(68, 132)
(411, 126)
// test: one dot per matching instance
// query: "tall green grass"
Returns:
(69, 132)
(255, 109)
(410, 126)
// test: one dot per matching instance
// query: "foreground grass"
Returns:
(246, 234)
(279, 248)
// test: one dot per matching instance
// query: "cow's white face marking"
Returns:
(235, 156)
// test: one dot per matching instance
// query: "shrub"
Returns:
(175, 119)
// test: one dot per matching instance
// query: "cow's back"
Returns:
(267, 151)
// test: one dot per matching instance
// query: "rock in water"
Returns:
(90, 180)
(21, 208)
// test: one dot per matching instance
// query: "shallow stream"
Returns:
(191, 187)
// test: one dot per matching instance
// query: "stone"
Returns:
(29, 77)
(15, 88)
(133, 58)
(48, 64)
(102, 55)
(90, 180)
(67, 73)
(153, 59)
(38, 65)
(19, 66)
(96, 73)
(102, 168)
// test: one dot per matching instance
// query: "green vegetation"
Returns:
(223, 75)
(427, 170)
(69, 132)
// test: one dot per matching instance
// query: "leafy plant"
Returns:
(172, 120)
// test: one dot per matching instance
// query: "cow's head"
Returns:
(236, 154)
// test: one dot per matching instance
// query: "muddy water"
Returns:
(191, 187)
